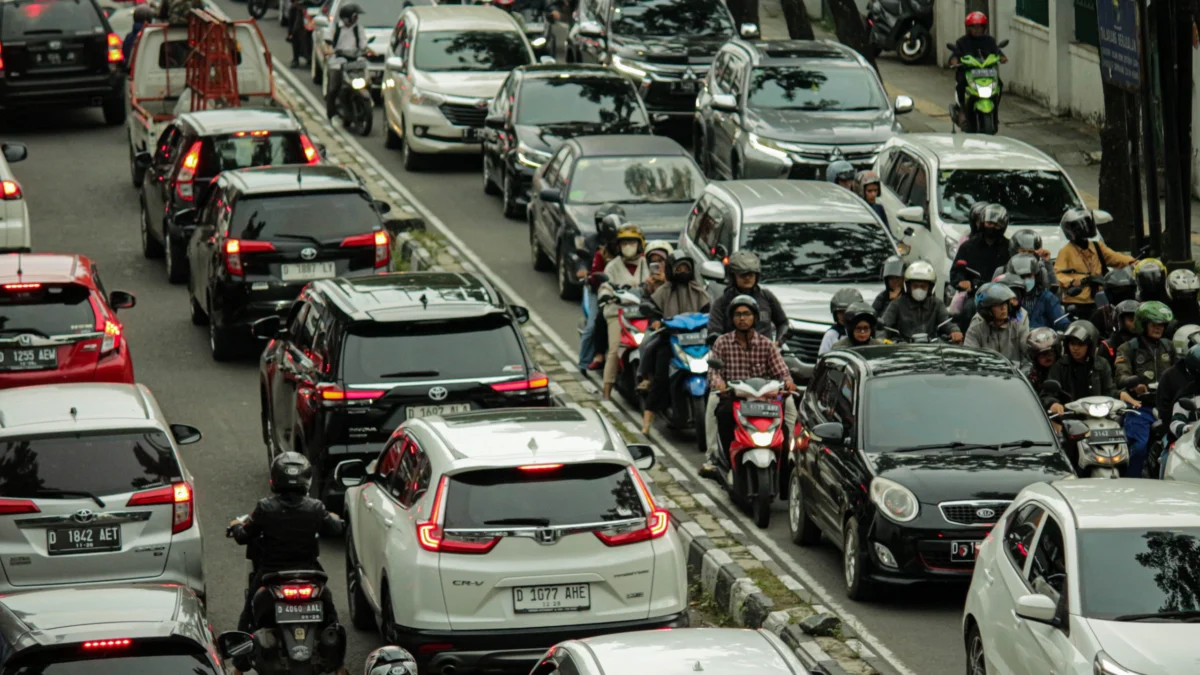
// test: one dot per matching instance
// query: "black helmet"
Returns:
(610, 223)
(1085, 332)
(857, 313)
(1078, 225)
(676, 259)
(743, 262)
(893, 267)
(350, 10)
(744, 301)
(842, 300)
(608, 210)
(291, 472)
(1151, 278)
(995, 213)
(1119, 286)
(1024, 239)
(1041, 340)
(1014, 282)
(1191, 360)
(975, 216)
(390, 660)
(1126, 307)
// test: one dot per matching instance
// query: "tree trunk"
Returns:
(851, 28)
(1117, 194)
(798, 22)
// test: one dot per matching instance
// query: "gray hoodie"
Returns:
(1007, 341)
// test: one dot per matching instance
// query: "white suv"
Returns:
(14, 210)
(483, 538)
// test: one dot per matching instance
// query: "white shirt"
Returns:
(345, 41)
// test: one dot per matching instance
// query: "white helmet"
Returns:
(1185, 338)
(919, 271)
(662, 246)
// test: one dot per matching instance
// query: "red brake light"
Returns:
(1, 57)
(301, 592)
(535, 381)
(21, 287)
(332, 392)
(179, 494)
(430, 537)
(657, 523)
(234, 248)
(11, 190)
(115, 54)
(252, 134)
(540, 467)
(107, 644)
(310, 150)
(187, 173)
(378, 239)
(13, 507)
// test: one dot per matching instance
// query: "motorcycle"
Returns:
(258, 8)
(538, 32)
(905, 26)
(1094, 435)
(633, 330)
(939, 337)
(355, 105)
(983, 87)
(688, 373)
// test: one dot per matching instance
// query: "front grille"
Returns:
(935, 555)
(804, 345)
(981, 513)
(812, 167)
(464, 115)
(660, 97)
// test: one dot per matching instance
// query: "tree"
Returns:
(798, 22)
(850, 27)
(1119, 193)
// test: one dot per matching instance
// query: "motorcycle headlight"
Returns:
(530, 157)
(767, 147)
(358, 82)
(637, 338)
(951, 247)
(1104, 665)
(699, 366)
(538, 42)
(422, 97)
(628, 68)
(762, 439)
(1099, 409)
(894, 500)
(985, 90)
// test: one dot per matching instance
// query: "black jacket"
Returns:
(772, 320)
(980, 256)
(907, 318)
(1175, 383)
(283, 532)
(979, 47)
(1082, 379)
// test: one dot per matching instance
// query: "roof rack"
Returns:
(211, 66)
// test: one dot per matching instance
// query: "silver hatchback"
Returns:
(93, 490)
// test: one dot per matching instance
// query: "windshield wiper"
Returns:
(959, 445)
(536, 522)
(55, 492)
(413, 373)
(1185, 616)
(301, 237)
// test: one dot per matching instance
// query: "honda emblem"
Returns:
(546, 537)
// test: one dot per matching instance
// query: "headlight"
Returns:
(627, 67)
(530, 157)
(1104, 665)
(894, 500)
(767, 147)
(951, 247)
(985, 91)
(538, 42)
(698, 366)
(637, 338)
(358, 82)
(422, 97)
(762, 438)
(1099, 409)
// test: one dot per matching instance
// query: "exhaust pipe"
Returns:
(449, 669)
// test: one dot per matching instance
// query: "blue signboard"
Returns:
(1118, 30)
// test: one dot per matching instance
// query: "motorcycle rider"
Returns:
(1151, 276)
(991, 327)
(1079, 371)
(1029, 241)
(594, 343)
(142, 15)
(1146, 355)
(281, 534)
(1182, 287)
(1179, 382)
(915, 311)
(628, 270)
(1016, 309)
(298, 36)
(390, 660)
(656, 261)
(1043, 348)
(842, 173)
(867, 185)
(983, 251)
(1080, 258)
(682, 294)
(979, 44)
(1043, 306)
(1125, 314)
(893, 279)
(1119, 287)
(348, 37)
(861, 321)
(837, 307)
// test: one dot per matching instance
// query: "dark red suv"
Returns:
(58, 324)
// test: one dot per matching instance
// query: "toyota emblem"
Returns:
(438, 393)
(84, 516)
(835, 154)
(55, 45)
(985, 514)
(308, 253)
(25, 339)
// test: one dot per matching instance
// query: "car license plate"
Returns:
(691, 339)
(760, 409)
(415, 411)
(309, 612)
(32, 358)
(51, 59)
(963, 551)
(83, 539)
(307, 271)
(472, 134)
(562, 598)
(683, 87)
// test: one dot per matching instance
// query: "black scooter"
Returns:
(903, 26)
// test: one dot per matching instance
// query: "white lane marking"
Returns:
(554, 338)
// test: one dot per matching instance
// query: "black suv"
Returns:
(264, 233)
(357, 357)
(60, 52)
(193, 149)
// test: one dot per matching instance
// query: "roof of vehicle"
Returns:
(463, 17)
(233, 120)
(293, 178)
(975, 151)
(909, 359)
(730, 651)
(782, 52)
(774, 201)
(627, 145)
(82, 405)
(1131, 503)
(547, 70)
(45, 268)
(515, 436)
(68, 615)
(413, 296)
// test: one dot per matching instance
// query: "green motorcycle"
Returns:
(983, 88)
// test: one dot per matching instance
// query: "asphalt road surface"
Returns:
(77, 182)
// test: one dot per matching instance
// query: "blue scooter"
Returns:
(688, 375)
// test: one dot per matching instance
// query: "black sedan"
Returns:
(908, 455)
(541, 106)
(653, 178)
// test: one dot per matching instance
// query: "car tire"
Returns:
(176, 262)
(361, 614)
(804, 532)
(134, 176)
(541, 261)
(976, 663)
(114, 110)
(489, 185)
(854, 562)
(512, 209)
(413, 161)
(199, 318)
(151, 248)
(391, 139)
(566, 289)
(220, 340)
(387, 619)
(699, 423)
(316, 73)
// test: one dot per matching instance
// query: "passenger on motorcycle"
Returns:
(1079, 371)
(893, 278)
(1180, 379)
(1124, 314)
(656, 260)
(991, 327)
(837, 307)
(979, 44)
(682, 294)
(861, 321)
(746, 354)
(1182, 287)
(917, 311)
(1043, 348)
(983, 251)
(627, 270)
(594, 343)
(867, 186)
(1182, 419)
(1148, 354)
(281, 534)
(842, 173)
(348, 38)
(1151, 276)
(1080, 258)
(1043, 306)
(1016, 306)
(1119, 287)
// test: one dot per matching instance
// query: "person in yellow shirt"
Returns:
(1080, 258)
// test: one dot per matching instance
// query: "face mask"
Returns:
(1029, 284)
(628, 250)
(683, 277)
(919, 294)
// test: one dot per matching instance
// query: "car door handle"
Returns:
(388, 521)
(370, 504)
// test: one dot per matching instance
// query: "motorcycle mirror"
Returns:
(710, 341)
(749, 31)
(1002, 44)
(715, 363)
(1072, 292)
(1074, 429)
(601, 278)
(950, 46)
(521, 313)
(1130, 382)
(234, 643)
(643, 455)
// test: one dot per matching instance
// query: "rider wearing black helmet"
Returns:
(1080, 258)
(594, 343)
(741, 278)
(1119, 287)
(348, 41)
(842, 173)
(1079, 371)
(1151, 277)
(983, 251)
(893, 279)
(837, 308)
(281, 534)
(1183, 378)
(390, 660)
(1043, 348)
(860, 320)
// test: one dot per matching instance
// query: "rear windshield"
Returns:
(321, 216)
(48, 310)
(245, 149)
(136, 660)
(104, 464)
(574, 494)
(25, 19)
(378, 352)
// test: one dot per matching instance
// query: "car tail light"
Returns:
(107, 644)
(115, 55)
(187, 173)
(535, 381)
(431, 538)
(434, 648)
(21, 287)
(296, 592)
(331, 393)
(13, 507)
(310, 150)
(179, 494)
(252, 134)
(1, 58)
(657, 523)
(234, 248)
(378, 239)
(110, 329)
(540, 467)
(10, 190)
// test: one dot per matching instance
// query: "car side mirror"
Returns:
(795, 367)
(591, 29)
(185, 434)
(713, 270)
(546, 59)
(550, 195)
(725, 103)
(1037, 607)
(384, 207)
(749, 31)
(495, 121)
(643, 455)
(267, 327)
(350, 473)
(715, 362)
(830, 433)
(1002, 44)
(121, 300)
(521, 313)
(142, 161)
(1101, 216)
(660, 118)
(394, 62)
(904, 104)
(234, 643)
(15, 152)
(912, 214)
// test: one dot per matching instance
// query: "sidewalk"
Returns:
(1073, 144)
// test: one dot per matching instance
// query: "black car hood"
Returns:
(547, 138)
(846, 127)
(679, 50)
(978, 474)
(658, 221)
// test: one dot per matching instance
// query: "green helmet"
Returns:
(1151, 312)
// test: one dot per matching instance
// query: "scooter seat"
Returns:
(891, 7)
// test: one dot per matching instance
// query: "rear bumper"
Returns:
(65, 91)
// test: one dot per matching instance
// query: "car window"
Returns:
(390, 459)
(608, 101)
(103, 464)
(843, 403)
(918, 194)
(572, 494)
(550, 175)
(887, 159)
(567, 666)
(244, 149)
(469, 50)
(99, 284)
(400, 484)
(829, 253)
(1048, 571)
(1032, 197)
(710, 228)
(696, 219)
(717, 74)
(167, 142)
(48, 309)
(810, 87)
(900, 180)
(325, 216)
(154, 658)
(671, 18)
(649, 178)
(1138, 571)
(422, 350)
(826, 399)
(564, 171)
(1019, 531)
(725, 235)
(22, 20)
(312, 329)
(301, 338)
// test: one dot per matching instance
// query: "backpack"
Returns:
(337, 33)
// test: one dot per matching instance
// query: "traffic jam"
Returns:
(910, 355)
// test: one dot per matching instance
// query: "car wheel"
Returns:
(220, 341)
(387, 620)
(114, 110)
(199, 318)
(853, 562)
(567, 289)
(804, 532)
(176, 264)
(134, 175)
(412, 160)
(541, 262)
(489, 185)
(360, 610)
(151, 248)
(512, 209)
(976, 663)
(391, 139)
(317, 74)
